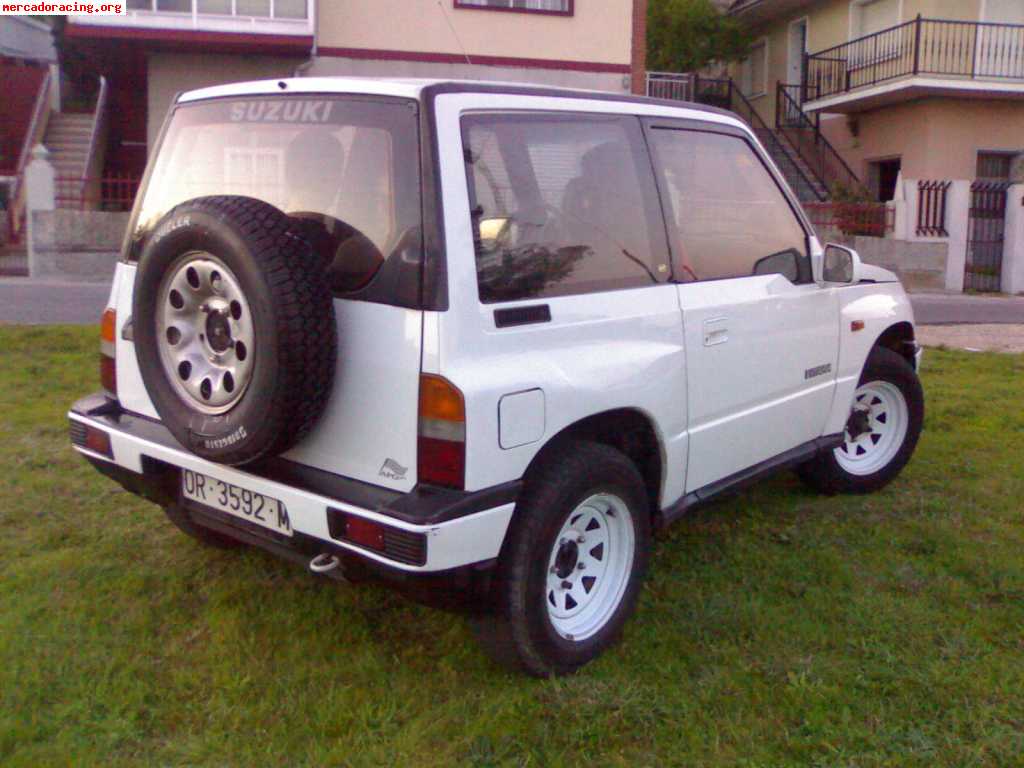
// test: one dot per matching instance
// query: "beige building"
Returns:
(162, 47)
(920, 102)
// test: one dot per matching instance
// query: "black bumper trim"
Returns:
(423, 505)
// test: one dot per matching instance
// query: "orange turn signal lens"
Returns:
(98, 441)
(108, 326)
(440, 399)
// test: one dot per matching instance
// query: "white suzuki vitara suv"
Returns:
(481, 340)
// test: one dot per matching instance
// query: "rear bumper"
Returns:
(454, 529)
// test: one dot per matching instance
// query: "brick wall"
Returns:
(639, 42)
(21, 87)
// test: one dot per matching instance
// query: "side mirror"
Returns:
(839, 266)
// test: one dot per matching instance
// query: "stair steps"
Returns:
(67, 138)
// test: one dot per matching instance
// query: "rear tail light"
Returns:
(108, 352)
(91, 438)
(441, 445)
(395, 543)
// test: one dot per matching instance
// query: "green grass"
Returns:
(777, 628)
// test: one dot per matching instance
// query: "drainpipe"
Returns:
(301, 70)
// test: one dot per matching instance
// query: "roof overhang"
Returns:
(194, 40)
(758, 12)
(911, 88)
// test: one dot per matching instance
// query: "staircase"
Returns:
(67, 137)
(798, 173)
(804, 156)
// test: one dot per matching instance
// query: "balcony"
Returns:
(923, 57)
(254, 17)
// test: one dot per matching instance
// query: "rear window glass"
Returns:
(561, 204)
(346, 170)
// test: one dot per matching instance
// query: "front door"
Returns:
(761, 337)
(797, 48)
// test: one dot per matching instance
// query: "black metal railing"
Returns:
(724, 93)
(780, 152)
(959, 49)
(931, 208)
(804, 134)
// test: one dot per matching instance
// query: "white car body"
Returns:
(720, 369)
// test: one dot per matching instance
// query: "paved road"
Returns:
(937, 308)
(26, 301)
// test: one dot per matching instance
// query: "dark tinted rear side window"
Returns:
(561, 204)
(345, 169)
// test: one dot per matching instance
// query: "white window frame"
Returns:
(749, 88)
(853, 16)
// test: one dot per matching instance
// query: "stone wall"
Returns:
(76, 245)
(921, 266)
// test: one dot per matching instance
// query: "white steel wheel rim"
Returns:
(205, 333)
(589, 566)
(876, 430)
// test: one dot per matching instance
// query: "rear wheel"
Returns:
(881, 432)
(572, 566)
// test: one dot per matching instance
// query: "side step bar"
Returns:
(787, 460)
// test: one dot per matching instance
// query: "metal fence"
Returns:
(107, 193)
(960, 49)
(677, 86)
(871, 219)
(931, 208)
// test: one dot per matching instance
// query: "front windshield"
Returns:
(345, 169)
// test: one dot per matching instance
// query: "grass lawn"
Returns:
(777, 627)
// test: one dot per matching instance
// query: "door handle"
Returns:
(716, 331)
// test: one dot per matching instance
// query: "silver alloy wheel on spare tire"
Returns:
(205, 333)
(589, 566)
(876, 429)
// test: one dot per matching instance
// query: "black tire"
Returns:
(518, 631)
(202, 534)
(825, 474)
(292, 314)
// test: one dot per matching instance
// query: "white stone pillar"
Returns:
(904, 202)
(1013, 246)
(40, 195)
(958, 205)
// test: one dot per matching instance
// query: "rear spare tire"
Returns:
(234, 328)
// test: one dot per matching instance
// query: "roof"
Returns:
(760, 11)
(414, 88)
(25, 38)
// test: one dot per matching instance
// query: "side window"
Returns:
(726, 215)
(561, 204)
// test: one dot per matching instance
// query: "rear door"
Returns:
(761, 336)
(345, 169)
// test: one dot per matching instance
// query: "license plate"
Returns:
(240, 502)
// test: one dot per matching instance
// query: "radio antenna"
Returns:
(454, 33)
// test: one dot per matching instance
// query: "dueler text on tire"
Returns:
(234, 328)
(573, 562)
(881, 433)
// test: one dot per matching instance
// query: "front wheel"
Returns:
(881, 433)
(570, 573)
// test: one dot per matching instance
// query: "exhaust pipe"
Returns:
(324, 563)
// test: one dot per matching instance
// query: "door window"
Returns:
(726, 215)
(561, 204)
